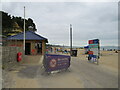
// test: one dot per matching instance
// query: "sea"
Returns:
(101, 48)
(110, 47)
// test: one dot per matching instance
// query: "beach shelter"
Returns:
(34, 43)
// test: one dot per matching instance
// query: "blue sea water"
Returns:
(101, 47)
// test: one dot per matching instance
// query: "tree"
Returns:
(15, 25)
(9, 23)
(6, 23)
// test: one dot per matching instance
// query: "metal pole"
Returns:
(70, 39)
(24, 31)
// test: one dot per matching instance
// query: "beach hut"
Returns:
(34, 43)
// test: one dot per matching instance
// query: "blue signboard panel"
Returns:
(96, 41)
(56, 62)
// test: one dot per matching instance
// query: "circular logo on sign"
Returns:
(53, 63)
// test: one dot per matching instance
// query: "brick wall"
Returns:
(9, 56)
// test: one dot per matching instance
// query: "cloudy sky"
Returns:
(90, 20)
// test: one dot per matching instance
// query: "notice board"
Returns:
(94, 48)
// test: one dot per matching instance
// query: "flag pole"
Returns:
(24, 32)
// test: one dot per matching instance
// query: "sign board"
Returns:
(94, 49)
(56, 62)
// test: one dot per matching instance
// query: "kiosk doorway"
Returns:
(27, 48)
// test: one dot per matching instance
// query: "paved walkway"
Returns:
(33, 59)
(23, 76)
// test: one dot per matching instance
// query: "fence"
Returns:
(9, 56)
(56, 62)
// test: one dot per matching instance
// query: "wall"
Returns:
(20, 44)
(33, 48)
(9, 56)
(15, 43)
(43, 47)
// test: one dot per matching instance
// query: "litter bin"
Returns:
(74, 53)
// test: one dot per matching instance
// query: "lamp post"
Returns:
(70, 39)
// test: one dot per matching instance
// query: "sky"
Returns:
(90, 20)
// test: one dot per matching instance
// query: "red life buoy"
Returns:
(19, 56)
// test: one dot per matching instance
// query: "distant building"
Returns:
(34, 43)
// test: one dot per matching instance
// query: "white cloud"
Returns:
(89, 19)
(60, 0)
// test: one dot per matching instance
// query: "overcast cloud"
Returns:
(90, 20)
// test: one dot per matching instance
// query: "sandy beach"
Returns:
(29, 76)
(108, 59)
